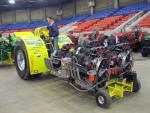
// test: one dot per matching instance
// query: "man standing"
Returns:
(53, 32)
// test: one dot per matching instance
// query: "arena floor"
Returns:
(51, 95)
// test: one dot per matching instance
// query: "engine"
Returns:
(84, 67)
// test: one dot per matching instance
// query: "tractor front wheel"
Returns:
(21, 60)
(103, 99)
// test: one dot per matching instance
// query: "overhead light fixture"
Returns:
(11, 1)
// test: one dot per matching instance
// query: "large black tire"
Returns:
(144, 54)
(103, 99)
(136, 85)
(20, 48)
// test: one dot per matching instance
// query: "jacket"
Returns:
(53, 30)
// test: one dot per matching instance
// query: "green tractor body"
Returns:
(7, 43)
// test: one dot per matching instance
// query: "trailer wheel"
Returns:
(21, 61)
(103, 99)
(144, 54)
(136, 85)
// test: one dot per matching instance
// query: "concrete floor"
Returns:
(47, 95)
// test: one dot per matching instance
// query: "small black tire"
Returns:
(20, 48)
(136, 85)
(103, 99)
(144, 54)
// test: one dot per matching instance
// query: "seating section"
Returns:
(98, 15)
(73, 19)
(104, 23)
(4, 27)
(21, 25)
(102, 20)
(36, 24)
(108, 23)
(63, 21)
(102, 14)
(145, 23)
(133, 9)
(121, 20)
(85, 25)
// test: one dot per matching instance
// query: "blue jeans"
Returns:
(55, 43)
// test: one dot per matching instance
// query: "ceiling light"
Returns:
(11, 1)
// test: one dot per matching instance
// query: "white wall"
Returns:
(51, 11)
(22, 15)
(82, 7)
(8, 17)
(68, 10)
(128, 2)
(103, 4)
(37, 14)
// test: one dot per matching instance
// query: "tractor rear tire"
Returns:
(103, 99)
(21, 56)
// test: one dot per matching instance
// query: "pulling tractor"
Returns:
(105, 71)
(132, 37)
(145, 44)
(7, 43)
(30, 52)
